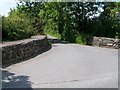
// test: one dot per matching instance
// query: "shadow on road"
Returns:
(12, 82)
(57, 41)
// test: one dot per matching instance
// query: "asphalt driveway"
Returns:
(66, 66)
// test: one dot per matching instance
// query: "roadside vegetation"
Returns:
(75, 22)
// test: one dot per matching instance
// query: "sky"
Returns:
(5, 6)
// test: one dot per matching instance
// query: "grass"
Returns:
(79, 38)
(52, 33)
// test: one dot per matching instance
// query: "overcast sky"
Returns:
(5, 6)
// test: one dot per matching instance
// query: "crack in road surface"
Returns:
(67, 65)
(67, 81)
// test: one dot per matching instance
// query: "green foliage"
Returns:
(71, 21)
(16, 28)
(0, 22)
(67, 20)
(21, 23)
(76, 21)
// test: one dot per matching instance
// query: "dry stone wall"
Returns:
(106, 42)
(16, 51)
(23, 49)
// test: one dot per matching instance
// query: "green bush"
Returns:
(16, 28)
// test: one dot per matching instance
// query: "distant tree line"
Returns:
(72, 21)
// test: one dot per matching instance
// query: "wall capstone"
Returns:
(16, 51)
(106, 42)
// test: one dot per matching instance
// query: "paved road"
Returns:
(66, 66)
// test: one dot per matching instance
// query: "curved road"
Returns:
(66, 66)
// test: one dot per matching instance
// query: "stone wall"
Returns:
(23, 49)
(106, 42)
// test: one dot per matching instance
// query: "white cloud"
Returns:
(5, 6)
(2, 1)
